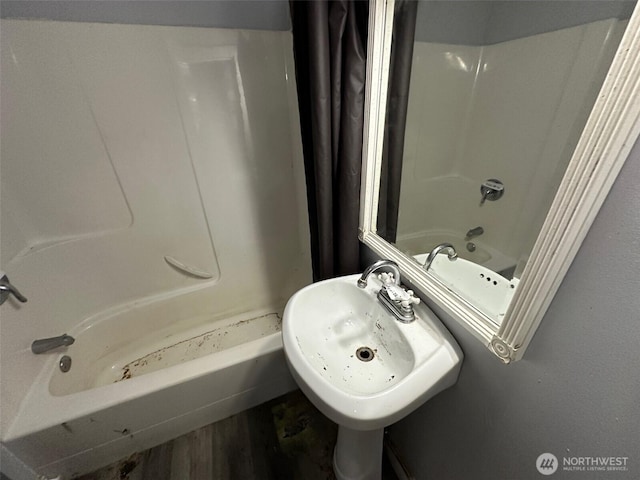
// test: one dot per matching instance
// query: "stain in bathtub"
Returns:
(66, 427)
(126, 374)
(198, 340)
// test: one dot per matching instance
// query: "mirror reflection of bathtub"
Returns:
(482, 253)
(482, 276)
(480, 286)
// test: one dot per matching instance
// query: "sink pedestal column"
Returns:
(358, 454)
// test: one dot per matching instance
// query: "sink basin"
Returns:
(486, 289)
(360, 366)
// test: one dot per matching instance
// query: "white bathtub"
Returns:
(143, 374)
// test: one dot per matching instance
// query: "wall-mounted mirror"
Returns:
(495, 131)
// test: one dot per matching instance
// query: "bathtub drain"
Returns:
(65, 364)
(364, 354)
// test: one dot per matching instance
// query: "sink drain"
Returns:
(365, 354)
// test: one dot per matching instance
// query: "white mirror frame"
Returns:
(610, 133)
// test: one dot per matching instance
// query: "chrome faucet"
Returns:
(389, 264)
(398, 301)
(474, 232)
(6, 289)
(46, 344)
(451, 253)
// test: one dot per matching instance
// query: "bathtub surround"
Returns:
(127, 144)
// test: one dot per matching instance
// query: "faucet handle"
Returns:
(6, 289)
(411, 300)
(396, 293)
(387, 278)
(402, 296)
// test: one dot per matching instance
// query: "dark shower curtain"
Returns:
(330, 41)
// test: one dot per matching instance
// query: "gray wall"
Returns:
(511, 20)
(459, 23)
(489, 22)
(247, 14)
(577, 390)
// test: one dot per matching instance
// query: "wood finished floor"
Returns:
(284, 439)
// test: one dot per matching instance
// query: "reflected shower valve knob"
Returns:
(491, 189)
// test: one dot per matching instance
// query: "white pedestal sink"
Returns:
(361, 367)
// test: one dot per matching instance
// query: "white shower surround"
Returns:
(122, 145)
(457, 124)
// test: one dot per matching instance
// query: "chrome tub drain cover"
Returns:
(65, 364)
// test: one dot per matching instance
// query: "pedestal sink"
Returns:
(361, 367)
